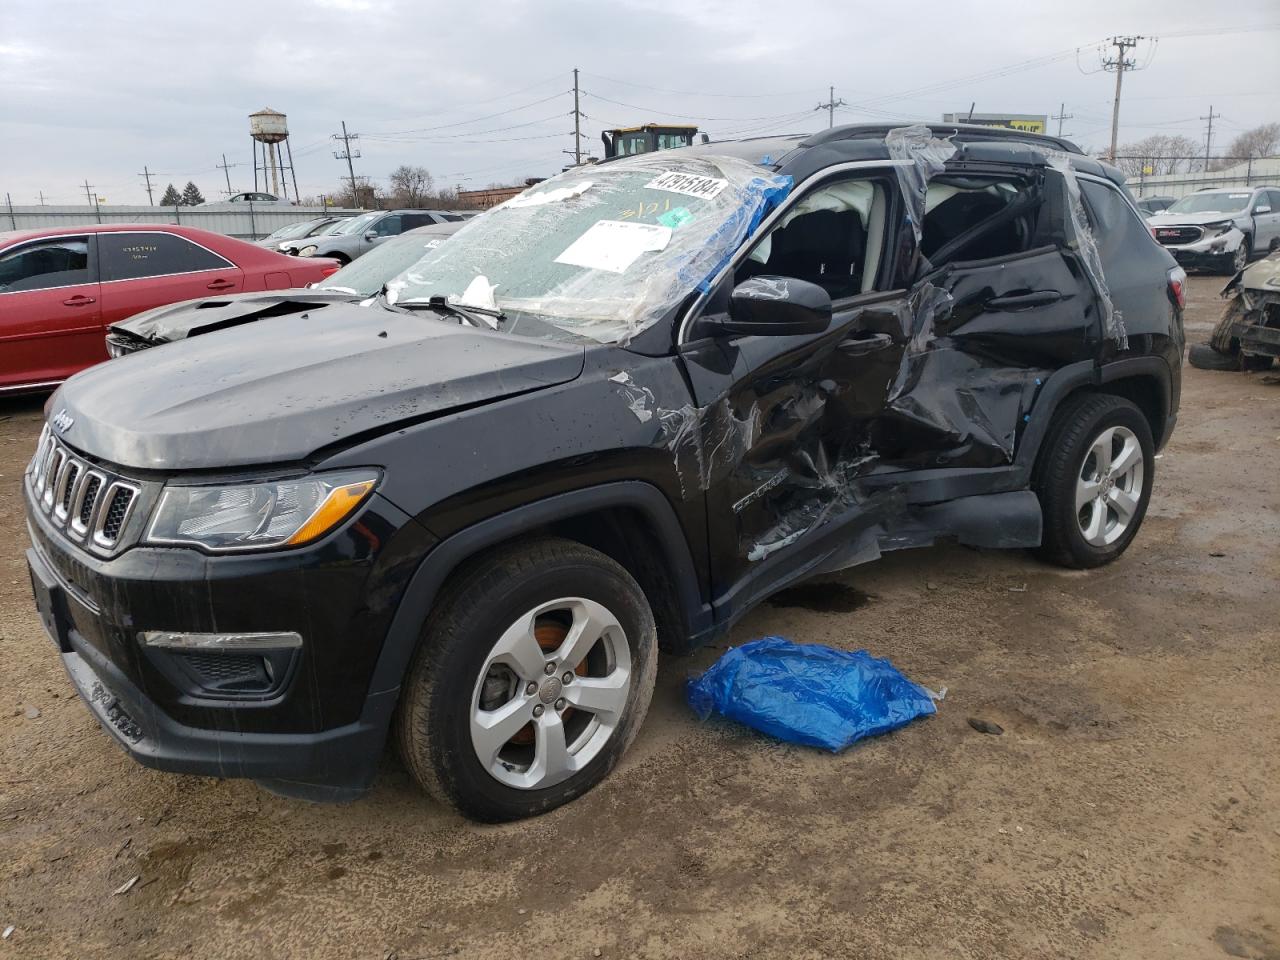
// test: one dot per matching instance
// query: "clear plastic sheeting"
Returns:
(604, 251)
(808, 694)
(639, 399)
(928, 157)
(1087, 248)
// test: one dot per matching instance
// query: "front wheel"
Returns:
(534, 673)
(1236, 261)
(1094, 480)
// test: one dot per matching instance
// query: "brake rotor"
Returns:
(549, 633)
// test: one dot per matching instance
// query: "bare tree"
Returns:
(366, 195)
(1261, 141)
(410, 186)
(1158, 154)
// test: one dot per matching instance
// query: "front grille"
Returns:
(88, 503)
(1169, 235)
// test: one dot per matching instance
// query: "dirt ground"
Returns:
(1130, 809)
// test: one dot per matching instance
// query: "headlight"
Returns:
(1222, 226)
(308, 250)
(255, 516)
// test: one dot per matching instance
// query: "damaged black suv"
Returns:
(610, 415)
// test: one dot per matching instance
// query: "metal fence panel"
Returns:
(251, 223)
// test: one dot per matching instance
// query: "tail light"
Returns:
(330, 270)
(1178, 285)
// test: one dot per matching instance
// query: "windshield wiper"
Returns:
(480, 317)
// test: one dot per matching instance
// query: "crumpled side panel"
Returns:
(1087, 247)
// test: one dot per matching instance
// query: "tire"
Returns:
(1069, 465)
(1238, 259)
(1221, 338)
(1204, 356)
(521, 603)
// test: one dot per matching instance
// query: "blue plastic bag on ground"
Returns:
(807, 693)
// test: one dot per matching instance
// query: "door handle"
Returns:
(220, 284)
(864, 345)
(78, 301)
(1024, 301)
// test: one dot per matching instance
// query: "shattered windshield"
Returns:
(601, 251)
(1222, 202)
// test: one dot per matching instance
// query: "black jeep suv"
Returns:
(610, 415)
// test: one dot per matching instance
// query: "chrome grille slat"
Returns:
(87, 503)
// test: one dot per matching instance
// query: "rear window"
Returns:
(1119, 232)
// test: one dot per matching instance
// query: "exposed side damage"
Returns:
(1248, 335)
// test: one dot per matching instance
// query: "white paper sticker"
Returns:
(688, 184)
(614, 245)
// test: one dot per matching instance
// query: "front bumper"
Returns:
(319, 736)
(1207, 252)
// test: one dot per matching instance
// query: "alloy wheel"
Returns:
(1109, 486)
(552, 691)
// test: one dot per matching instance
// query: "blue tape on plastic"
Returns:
(763, 194)
(807, 693)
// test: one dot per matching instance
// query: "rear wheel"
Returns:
(1204, 356)
(535, 672)
(1094, 480)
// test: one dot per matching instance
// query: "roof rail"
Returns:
(962, 132)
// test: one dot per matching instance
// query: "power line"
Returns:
(1208, 137)
(1060, 116)
(696, 93)
(830, 106)
(489, 116)
(346, 154)
(682, 116)
(146, 175)
(1118, 65)
(226, 172)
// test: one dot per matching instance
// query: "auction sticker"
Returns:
(614, 245)
(691, 185)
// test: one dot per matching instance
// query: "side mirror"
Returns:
(1262, 209)
(370, 235)
(776, 307)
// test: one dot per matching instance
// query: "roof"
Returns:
(957, 132)
(14, 236)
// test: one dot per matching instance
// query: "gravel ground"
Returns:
(1131, 808)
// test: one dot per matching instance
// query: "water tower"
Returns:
(270, 131)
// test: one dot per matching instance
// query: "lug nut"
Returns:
(568, 676)
(537, 711)
(560, 704)
(531, 689)
(549, 669)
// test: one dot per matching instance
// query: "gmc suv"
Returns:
(609, 416)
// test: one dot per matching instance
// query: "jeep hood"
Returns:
(177, 321)
(277, 392)
(1264, 275)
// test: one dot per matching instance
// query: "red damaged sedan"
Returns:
(61, 288)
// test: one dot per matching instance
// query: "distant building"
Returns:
(492, 196)
(1028, 122)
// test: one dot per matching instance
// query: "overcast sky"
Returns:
(479, 93)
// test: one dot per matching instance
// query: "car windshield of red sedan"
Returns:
(600, 251)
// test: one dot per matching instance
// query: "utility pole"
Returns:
(1060, 116)
(346, 154)
(93, 200)
(226, 171)
(577, 123)
(1118, 65)
(1208, 137)
(830, 106)
(146, 175)
(42, 198)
